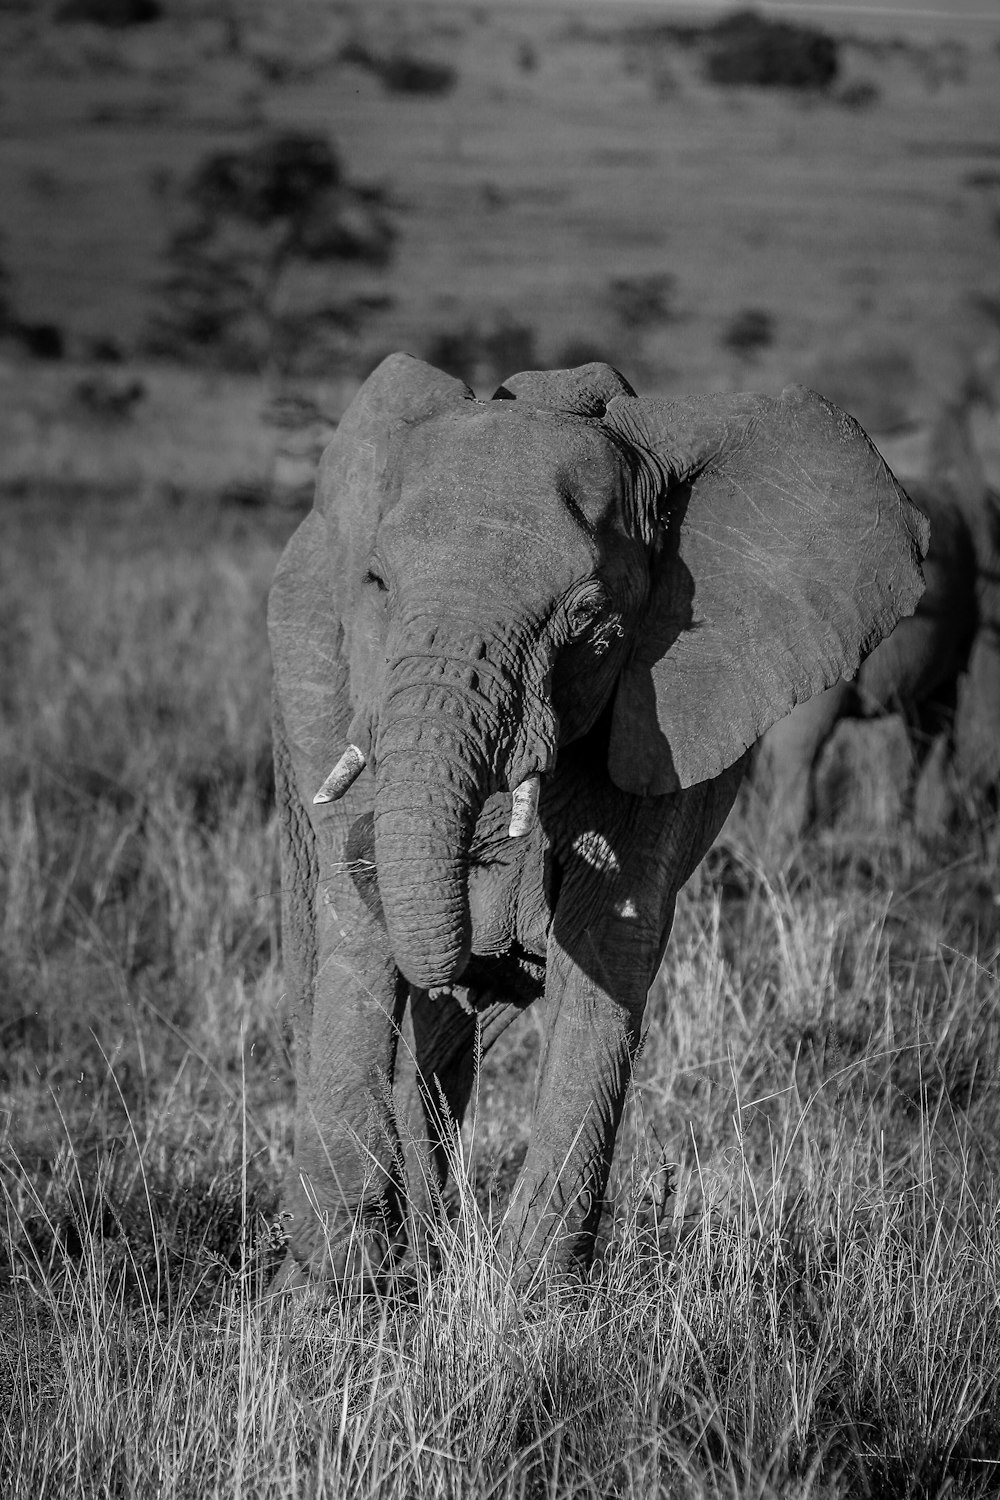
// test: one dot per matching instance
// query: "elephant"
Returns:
(535, 637)
(939, 668)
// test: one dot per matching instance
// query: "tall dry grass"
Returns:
(798, 1287)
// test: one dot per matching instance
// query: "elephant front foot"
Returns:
(354, 1254)
(540, 1232)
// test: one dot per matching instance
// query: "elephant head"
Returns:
(491, 582)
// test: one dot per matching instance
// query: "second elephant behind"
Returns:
(940, 667)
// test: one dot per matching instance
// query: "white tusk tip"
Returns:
(344, 774)
(524, 806)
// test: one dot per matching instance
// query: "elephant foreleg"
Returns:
(298, 886)
(344, 1191)
(583, 1074)
(611, 925)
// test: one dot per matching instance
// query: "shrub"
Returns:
(745, 48)
(751, 330)
(483, 356)
(639, 301)
(110, 12)
(454, 350)
(400, 72)
(527, 57)
(510, 347)
(40, 340)
(108, 397)
(861, 94)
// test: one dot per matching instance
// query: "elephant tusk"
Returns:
(344, 774)
(524, 807)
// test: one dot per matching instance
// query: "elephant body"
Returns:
(939, 668)
(535, 637)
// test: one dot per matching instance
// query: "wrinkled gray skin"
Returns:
(616, 595)
(940, 667)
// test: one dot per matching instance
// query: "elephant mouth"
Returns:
(359, 854)
(491, 839)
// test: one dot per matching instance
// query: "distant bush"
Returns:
(746, 48)
(580, 351)
(104, 349)
(641, 301)
(40, 340)
(527, 57)
(510, 347)
(483, 356)
(403, 74)
(400, 72)
(254, 215)
(751, 330)
(861, 94)
(458, 351)
(742, 48)
(108, 397)
(110, 12)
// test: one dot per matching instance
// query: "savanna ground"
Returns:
(798, 1292)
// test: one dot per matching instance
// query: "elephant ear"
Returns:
(787, 551)
(318, 579)
(585, 391)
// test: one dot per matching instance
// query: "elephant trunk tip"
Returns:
(437, 971)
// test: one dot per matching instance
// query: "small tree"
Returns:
(253, 215)
(745, 48)
(748, 332)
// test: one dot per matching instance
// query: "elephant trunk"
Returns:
(431, 782)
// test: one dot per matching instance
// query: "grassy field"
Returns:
(798, 1286)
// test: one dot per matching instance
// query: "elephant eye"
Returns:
(375, 578)
(583, 612)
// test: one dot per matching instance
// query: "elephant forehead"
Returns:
(508, 464)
